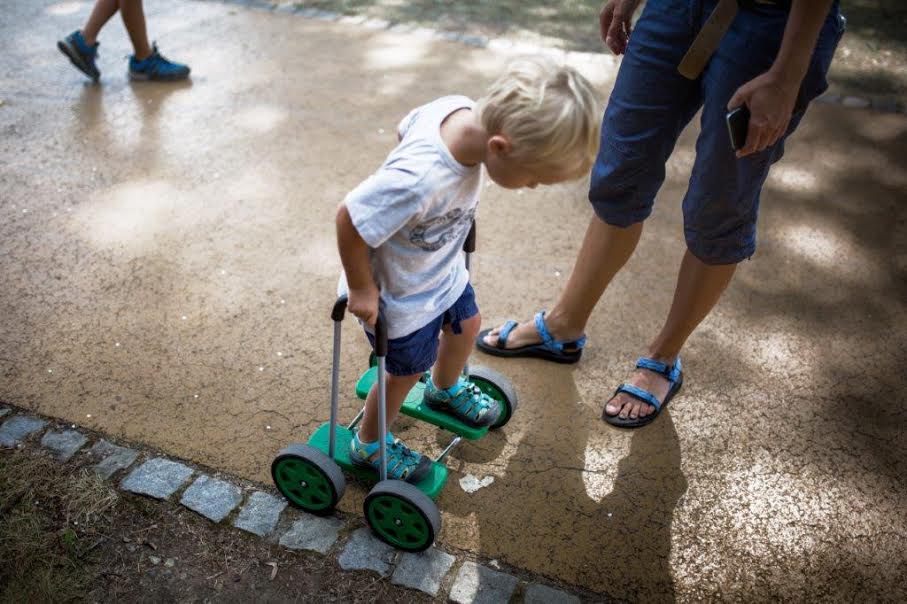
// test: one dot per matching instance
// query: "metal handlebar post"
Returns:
(381, 353)
(469, 246)
(337, 314)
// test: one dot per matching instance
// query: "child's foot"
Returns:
(156, 67)
(465, 401)
(81, 54)
(402, 462)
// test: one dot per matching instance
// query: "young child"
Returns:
(400, 233)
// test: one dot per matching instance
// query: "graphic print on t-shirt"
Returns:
(434, 233)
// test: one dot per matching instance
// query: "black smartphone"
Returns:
(738, 120)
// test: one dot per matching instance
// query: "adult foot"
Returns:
(626, 406)
(524, 334)
(537, 339)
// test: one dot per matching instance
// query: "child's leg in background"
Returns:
(133, 14)
(101, 13)
(454, 351)
(397, 389)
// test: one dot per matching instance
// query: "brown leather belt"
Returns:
(706, 41)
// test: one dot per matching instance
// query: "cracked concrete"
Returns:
(162, 244)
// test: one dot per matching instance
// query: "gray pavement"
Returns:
(169, 262)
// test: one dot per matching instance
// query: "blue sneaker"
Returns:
(156, 67)
(81, 54)
(402, 462)
(465, 401)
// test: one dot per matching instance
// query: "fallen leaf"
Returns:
(273, 566)
(150, 544)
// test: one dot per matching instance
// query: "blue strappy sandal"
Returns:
(549, 349)
(672, 373)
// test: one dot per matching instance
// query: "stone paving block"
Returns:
(212, 498)
(829, 98)
(855, 102)
(542, 594)
(326, 15)
(313, 533)
(366, 552)
(480, 585)
(158, 478)
(115, 458)
(260, 514)
(450, 36)
(887, 105)
(477, 41)
(64, 444)
(376, 24)
(18, 428)
(423, 571)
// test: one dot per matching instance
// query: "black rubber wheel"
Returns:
(403, 516)
(498, 387)
(309, 479)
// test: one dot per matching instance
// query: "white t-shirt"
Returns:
(415, 213)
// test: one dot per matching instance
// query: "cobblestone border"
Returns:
(882, 105)
(259, 511)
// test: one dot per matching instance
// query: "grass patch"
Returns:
(46, 529)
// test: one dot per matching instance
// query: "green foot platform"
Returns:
(414, 407)
(431, 485)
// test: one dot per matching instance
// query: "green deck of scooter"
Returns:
(431, 485)
(414, 407)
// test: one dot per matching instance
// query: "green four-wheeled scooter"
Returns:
(402, 514)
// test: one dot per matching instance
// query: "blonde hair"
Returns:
(549, 112)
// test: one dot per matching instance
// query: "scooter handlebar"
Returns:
(469, 246)
(339, 311)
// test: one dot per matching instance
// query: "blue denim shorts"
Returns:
(651, 103)
(417, 352)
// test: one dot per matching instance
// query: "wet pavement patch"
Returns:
(480, 585)
(423, 571)
(365, 552)
(260, 514)
(159, 478)
(542, 594)
(115, 458)
(212, 498)
(64, 444)
(312, 533)
(18, 428)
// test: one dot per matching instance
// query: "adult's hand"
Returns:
(614, 19)
(770, 99)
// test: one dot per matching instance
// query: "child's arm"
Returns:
(363, 293)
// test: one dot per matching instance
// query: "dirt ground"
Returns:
(67, 536)
(169, 262)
